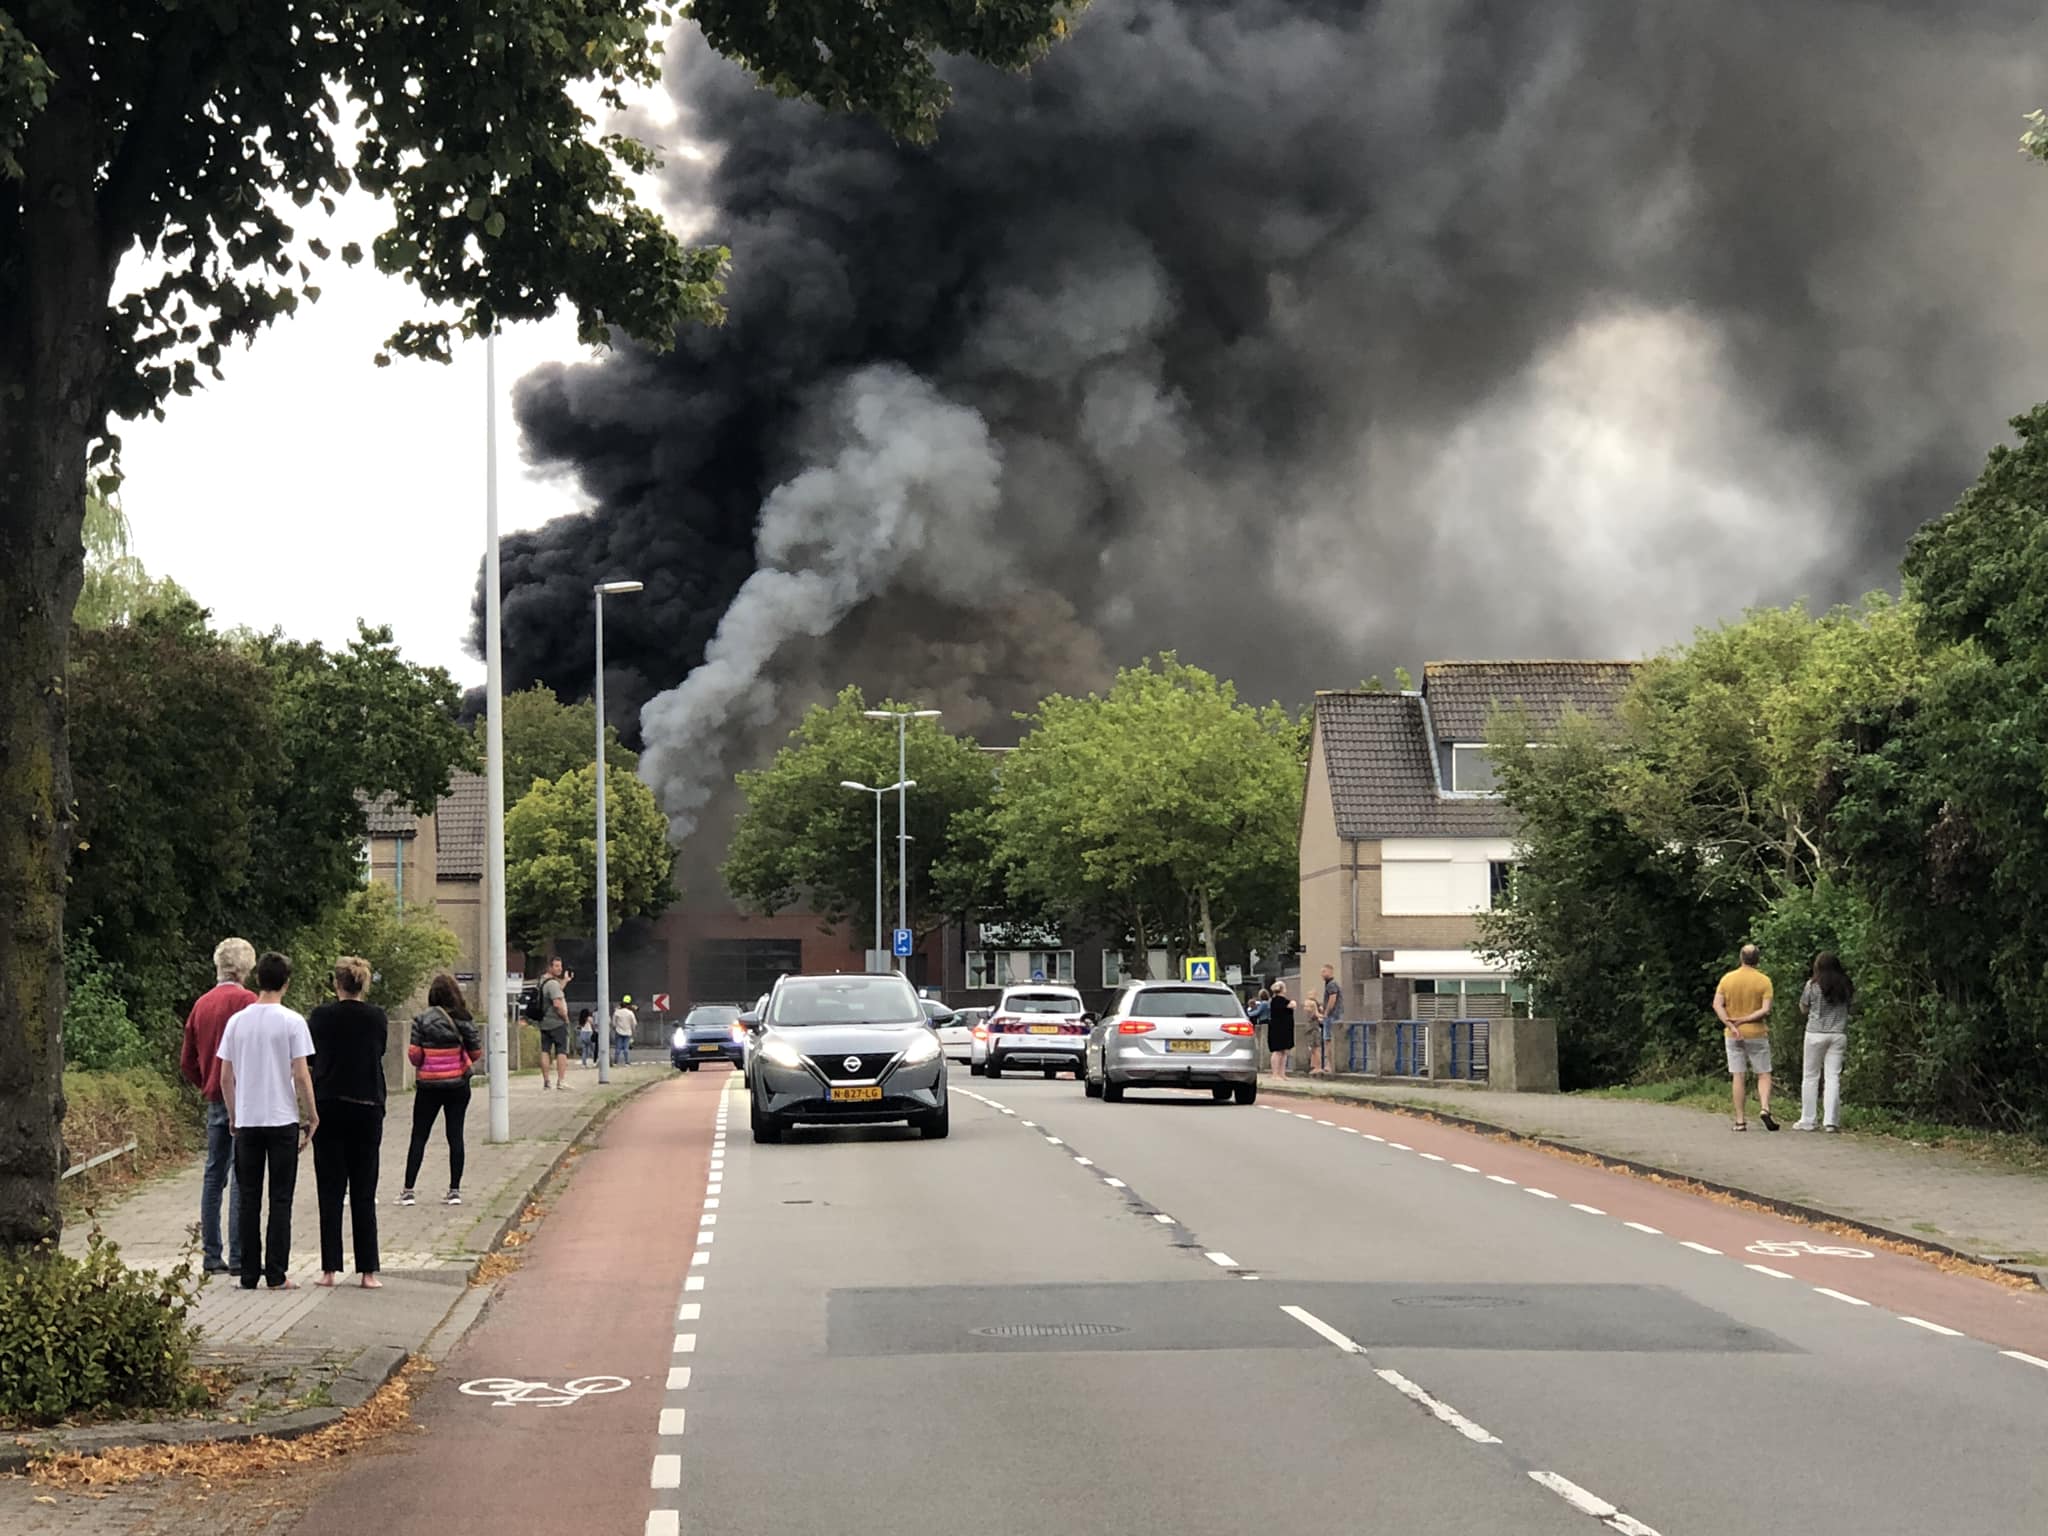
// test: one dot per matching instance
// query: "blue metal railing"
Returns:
(1359, 1058)
(1468, 1061)
(1411, 1049)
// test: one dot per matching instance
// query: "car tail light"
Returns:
(1000, 1023)
(1135, 1027)
(981, 1031)
(1244, 1028)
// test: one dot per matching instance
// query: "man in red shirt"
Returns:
(232, 960)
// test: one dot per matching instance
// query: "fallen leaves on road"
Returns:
(226, 1463)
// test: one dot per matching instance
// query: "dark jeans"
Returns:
(345, 1150)
(428, 1101)
(271, 1150)
(218, 1181)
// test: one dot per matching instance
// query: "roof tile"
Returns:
(459, 825)
(1464, 694)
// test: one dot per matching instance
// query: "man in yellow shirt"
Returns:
(1742, 1001)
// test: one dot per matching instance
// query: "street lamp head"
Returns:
(613, 588)
(879, 714)
(866, 789)
(904, 784)
(924, 714)
(901, 714)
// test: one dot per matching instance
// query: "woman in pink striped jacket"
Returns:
(445, 1048)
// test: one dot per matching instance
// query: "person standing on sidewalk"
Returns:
(198, 1062)
(1330, 1014)
(268, 1089)
(445, 1049)
(554, 1024)
(624, 1022)
(1742, 1002)
(586, 1037)
(1825, 1001)
(350, 1037)
(1279, 1027)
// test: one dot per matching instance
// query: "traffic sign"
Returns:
(903, 944)
(661, 1002)
(1198, 968)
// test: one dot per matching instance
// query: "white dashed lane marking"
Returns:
(1854, 1301)
(1921, 1322)
(1590, 1210)
(671, 1423)
(668, 1472)
(2024, 1359)
(1639, 1226)
(1700, 1248)
(1221, 1260)
(1765, 1269)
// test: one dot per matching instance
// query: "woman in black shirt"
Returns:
(349, 1039)
(1280, 1028)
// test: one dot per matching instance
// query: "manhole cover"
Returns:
(1459, 1303)
(1048, 1330)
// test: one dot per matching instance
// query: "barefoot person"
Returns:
(349, 1040)
(1279, 1027)
(1742, 1002)
(268, 1090)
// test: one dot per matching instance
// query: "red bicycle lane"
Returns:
(1776, 1248)
(594, 1297)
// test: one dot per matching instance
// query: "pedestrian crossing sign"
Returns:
(1198, 968)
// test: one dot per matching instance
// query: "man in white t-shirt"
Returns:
(268, 1090)
(624, 1022)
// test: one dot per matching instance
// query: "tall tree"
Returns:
(117, 587)
(201, 138)
(1166, 804)
(803, 838)
(551, 857)
(545, 738)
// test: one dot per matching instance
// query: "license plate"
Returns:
(707, 1047)
(1045, 1029)
(857, 1095)
(1199, 1046)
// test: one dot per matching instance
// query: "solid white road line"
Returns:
(1590, 1210)
(2024, 1359)
(1221, 1260)
(1700, 1248)
(671, 1422)
(1464, 1168)
(1442, 1410)
(1592, 1504)
(1921, 1322)
(686, 1344)
(1765, 1269)
(664, 1522)
(1315, 1324)
(668, 1472)
(1643, 1227)
(678, 1378)
(1854, 1301)
(1540, 1194)
(689, 1311)
(1497, 1179)
(694, 1283)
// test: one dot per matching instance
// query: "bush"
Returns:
(85, 1336)
(105, 1110)
(98, 1034)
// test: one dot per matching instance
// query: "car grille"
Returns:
(835, 1069)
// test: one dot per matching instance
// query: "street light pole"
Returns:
(496, 1067)
(902, 717)
(868, 789)
(604, 926)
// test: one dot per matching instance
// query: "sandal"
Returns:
(1742, 1125)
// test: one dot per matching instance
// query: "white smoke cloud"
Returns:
(903, 487)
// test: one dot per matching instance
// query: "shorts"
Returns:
(554, 1039)
(1330, 1027)
(1748, 1055)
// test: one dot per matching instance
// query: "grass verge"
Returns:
(105, 1110)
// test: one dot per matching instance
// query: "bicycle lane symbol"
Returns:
(1771, 1249)
(511, 1392)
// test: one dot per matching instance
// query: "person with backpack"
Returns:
(444, 1051)
(547, 1007)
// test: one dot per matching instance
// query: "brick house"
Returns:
(1404, 839)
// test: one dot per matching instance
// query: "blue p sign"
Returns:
(902, 949)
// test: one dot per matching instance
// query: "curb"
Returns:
(356, 1385)
(1620, 1164)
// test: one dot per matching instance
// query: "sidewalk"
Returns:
(1920, 1194)
(301, 1355)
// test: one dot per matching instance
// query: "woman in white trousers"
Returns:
(1825, 1001)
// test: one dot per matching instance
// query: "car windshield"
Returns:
(711, 1017)
(1042, 1002)
(845, 1000)
(1186, 1003)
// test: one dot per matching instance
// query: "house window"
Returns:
(1472, 770)
(1500, 880)
(1112, 967)
(1051, 965)
(1013, 967)
(983, 967)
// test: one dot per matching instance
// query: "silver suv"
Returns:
(845, 1050)
(1174, 1034)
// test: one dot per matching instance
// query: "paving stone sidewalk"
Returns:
(1927, 1194)
(299, 1352)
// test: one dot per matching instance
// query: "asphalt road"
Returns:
(1172, 1315)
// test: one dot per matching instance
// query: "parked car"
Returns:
(1040, 1025)
(840, 1050)
(750, 1027)
(956, 1032)
(1173, 1034)
(708, 1032)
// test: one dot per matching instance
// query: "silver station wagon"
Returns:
(1174, 1034)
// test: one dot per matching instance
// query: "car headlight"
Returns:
(739, 1034)
(781, 1052)
(922, 1049)
(677, 1039)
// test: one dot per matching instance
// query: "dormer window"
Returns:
(1472, 770)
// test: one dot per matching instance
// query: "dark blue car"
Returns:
(709, 1032)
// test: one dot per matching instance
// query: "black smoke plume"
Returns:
(1306, 337)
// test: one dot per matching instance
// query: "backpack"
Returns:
(534, 1010)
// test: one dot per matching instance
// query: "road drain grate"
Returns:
(1048, 1330)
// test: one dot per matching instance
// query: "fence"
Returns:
(1469, 1042)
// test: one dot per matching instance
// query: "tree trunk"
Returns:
(1208, 929)
(53, 347)
(1141, 963)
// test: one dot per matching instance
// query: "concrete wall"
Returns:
(1376, 931)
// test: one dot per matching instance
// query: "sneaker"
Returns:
(1804, 1125)
(453, 1197)
(406, 1197)
(1832, 1130)
(1769, 1120)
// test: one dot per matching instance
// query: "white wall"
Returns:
(1438, 876)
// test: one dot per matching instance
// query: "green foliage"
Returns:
(404, 947)
(145, 1105)
(551, 856)
(1166, 807)
(86, 1335)
(117, 588)
(803, 838)
(98, 1034)
(544, 738)
(221, 784)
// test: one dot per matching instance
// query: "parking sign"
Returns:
(902, 949)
